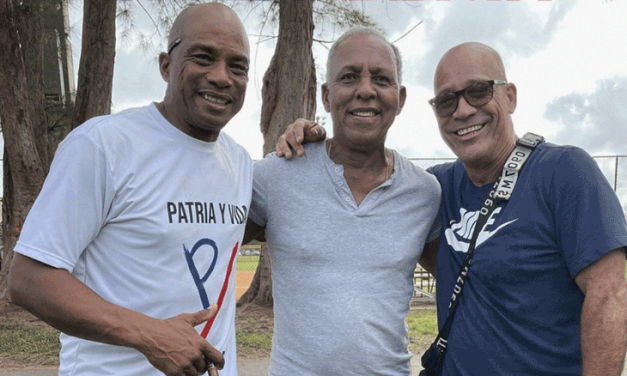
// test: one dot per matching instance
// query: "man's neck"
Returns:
(481, 174)
(363, 170)
(354, 159)
(180, 124)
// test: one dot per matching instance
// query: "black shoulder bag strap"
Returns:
(433, 358)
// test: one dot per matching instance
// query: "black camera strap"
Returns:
(501, 190)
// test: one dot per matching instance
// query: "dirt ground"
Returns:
(243, 279)
(252, 319)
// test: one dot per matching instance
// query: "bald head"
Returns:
(206, 68)
(482, 58)
(477, 125)
(198, 14)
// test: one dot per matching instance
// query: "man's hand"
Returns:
(298, 133)
(175, 348)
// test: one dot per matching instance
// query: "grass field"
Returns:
(29, 341)
(247, 263)
(39, 344)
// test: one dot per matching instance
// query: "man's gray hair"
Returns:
(371, 31)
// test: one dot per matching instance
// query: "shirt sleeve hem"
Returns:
(43, 257)
(610, 245)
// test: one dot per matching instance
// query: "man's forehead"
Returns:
(352, 52)
(209, 45)
(461, 67)
(208, 19)
(218, 38)
(457, 77)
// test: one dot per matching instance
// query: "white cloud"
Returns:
(552, 49)
(597, 120)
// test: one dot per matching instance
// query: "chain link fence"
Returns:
(247, 261)
(614, 167)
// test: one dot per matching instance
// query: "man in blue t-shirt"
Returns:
(545, 292)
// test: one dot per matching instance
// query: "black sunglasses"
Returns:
(475, 95)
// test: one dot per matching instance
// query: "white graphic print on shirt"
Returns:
(458, 235)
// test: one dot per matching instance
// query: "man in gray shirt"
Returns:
(346, 225)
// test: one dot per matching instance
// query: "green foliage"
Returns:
(344, 14)
(19, 339)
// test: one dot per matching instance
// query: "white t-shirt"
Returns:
(147, 217)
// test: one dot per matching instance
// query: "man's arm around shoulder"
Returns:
(253, 232)
(428, 258)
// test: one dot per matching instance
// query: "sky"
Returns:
(567, 58)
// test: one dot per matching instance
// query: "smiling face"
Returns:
(480, 136)
(207, 72)
(363, 94)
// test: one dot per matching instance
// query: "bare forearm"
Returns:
(604, 335)
(172, 345)
(66, 304)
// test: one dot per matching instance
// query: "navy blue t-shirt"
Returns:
(519, 313)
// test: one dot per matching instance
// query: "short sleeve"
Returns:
(436, 228)
(588, 216)
(259, 205)
(71, 207)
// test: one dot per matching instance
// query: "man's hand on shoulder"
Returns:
(175, 348)
(297, 134)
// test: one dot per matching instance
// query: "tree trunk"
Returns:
(288, 93)
(30, 25)
(95, 73)
(22, 111)
(21, 114)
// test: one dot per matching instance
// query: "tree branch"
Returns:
(404, 35)
(151, 19)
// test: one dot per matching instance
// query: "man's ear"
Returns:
(164, 66)
(511, 96)
(325, 97)
(402, 95)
